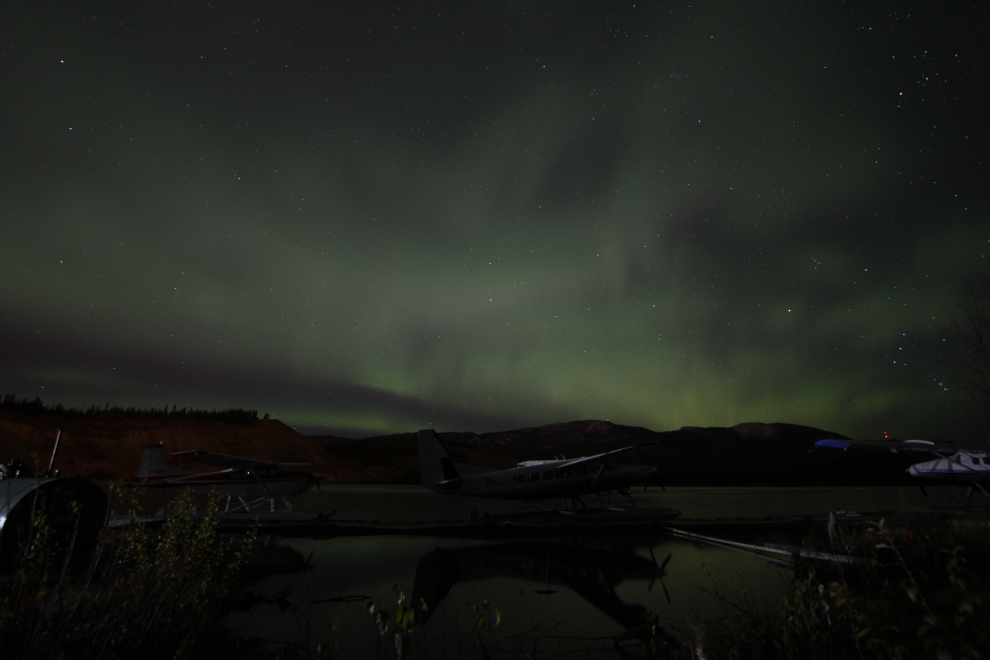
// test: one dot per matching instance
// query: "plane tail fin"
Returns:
(153, 464)
(435, 463)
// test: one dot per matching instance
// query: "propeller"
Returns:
(660, 570)
(923, 491)
(651, 478)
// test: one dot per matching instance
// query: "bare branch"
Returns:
(972, 327)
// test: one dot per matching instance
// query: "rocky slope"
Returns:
(97, 449)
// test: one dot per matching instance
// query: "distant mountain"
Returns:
(749, 454)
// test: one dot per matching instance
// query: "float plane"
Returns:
(953, 463)
(251, 481)
(564, 479)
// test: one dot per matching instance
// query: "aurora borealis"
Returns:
(373, 217)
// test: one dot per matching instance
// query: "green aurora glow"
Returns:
(485, 218)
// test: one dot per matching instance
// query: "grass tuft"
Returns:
(148, 591)
(922, 593)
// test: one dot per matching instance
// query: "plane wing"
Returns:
(598, 457)
(893, 445)
(237, 462)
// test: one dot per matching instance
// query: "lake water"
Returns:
(553, 595)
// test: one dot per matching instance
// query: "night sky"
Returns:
(371, 217)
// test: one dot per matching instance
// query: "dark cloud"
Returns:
(584, 167)
(484, 216)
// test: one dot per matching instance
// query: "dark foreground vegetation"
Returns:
(37, 408)
(147, 591)
(921, 591)
(917, 591)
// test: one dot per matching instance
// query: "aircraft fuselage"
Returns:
(971, 466)
(540, 480)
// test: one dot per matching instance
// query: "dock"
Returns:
(593, 522)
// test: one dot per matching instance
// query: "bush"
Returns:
(919, 591)
(149, 591)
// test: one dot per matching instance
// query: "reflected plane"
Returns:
(592, 574)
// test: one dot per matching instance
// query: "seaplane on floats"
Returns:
(561, 479)
(954, 463)
(253, 482)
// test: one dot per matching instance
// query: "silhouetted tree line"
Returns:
(36, 407)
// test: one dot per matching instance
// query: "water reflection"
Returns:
(269, 559)
(589, 572)
(553, 595)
